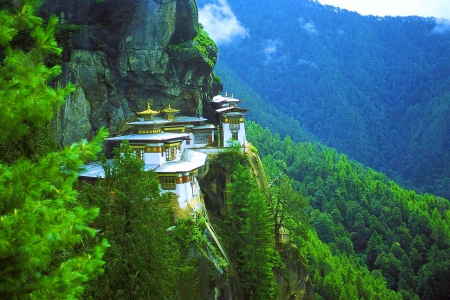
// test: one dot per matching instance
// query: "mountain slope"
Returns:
(374, 88)
(358, 212)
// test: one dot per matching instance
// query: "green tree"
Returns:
(40, 219)
(254, 224)
(390, 266)
(28, 103)
(288, 208)
(134, 218)
(375, 247)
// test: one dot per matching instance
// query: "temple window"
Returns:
(201, 138)
(235, 124)
(234, 135)
(171, 153)
(139, 153)
(168, 183)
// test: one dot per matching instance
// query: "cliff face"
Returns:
(293, 280)
(122, 54)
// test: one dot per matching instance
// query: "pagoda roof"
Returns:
(95, 169)
(231, 109)
(206, 126)
(151, 137)
(186, 119)
(163, 121)
(190, 160)
(224, 99)
(155, 121)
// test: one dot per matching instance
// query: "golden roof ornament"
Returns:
(170, 112)
(169, 109)
(148, 114)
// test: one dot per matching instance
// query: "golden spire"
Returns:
(170, 112)
(169, 109)
(148, 114)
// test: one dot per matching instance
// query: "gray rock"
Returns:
(118, 55)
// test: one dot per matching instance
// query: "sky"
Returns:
(423, 8)
(220, 22)
(223, 26)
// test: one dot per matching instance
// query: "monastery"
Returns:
(176, 146)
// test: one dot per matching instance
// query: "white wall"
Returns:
(155, 157)
(184, 192)
(227, 134)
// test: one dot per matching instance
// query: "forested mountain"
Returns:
(377, 89)
(361, 214)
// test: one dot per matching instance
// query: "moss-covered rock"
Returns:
(118, 55)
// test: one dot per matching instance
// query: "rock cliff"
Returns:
(122, 54)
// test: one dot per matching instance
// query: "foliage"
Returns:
(143, 259)
(253, 225)
(40, 219)
(206, 46)
(234, 145)
(288, 209)
(359, 212)
(217, 79)
(341, 277)
(202, 44)
(27, 99)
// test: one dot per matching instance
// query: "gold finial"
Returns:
(170, 112)
(169, 109)
(148, 114)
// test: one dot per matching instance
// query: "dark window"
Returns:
(168, 183)
(139, 153)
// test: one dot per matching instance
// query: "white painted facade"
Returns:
(234, 132)
(164, 145)
(154, 155)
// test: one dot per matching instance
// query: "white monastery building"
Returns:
(173, 145)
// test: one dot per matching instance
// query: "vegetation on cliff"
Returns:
(252, 235)
(40, 218)
(202, 44)
(153, 254)
(143, 260)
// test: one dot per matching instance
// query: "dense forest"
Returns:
(374, 88)
(361, 214)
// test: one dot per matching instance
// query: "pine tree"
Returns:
(289, 208)
(40, 218)
(254, 224)
(134, 218)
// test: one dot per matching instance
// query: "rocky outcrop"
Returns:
(122, 54)
(294, 281)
